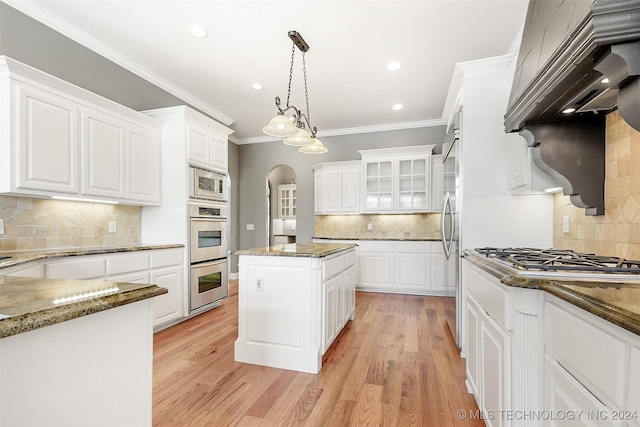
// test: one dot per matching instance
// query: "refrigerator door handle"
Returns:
(447, 209)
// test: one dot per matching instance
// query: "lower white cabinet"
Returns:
(290, 309)
(591, 365)
(503, 348)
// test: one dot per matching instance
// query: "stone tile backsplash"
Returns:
(47, 224)
(414, 226)
(617, 232)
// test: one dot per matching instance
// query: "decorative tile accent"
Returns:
(617, 232)
(47, 224)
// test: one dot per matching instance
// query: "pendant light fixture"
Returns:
(294, 129)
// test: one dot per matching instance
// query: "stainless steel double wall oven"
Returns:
(208, 248)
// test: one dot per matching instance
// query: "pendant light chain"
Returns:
(293, 54)
(306, 91)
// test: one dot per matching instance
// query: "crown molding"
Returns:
(354, 130)
(38, 13)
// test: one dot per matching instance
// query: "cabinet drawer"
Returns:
(80, 269)
(413, 247)
(333, 266)
(164, 258)
(350, 259)
(126, 263)
(492, 297)
(592, 355)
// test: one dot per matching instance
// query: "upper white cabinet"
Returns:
(208, 145)
(192, 138)
(59, 139)
(337, 187)
(524, 176)
(287, 201)
(397, 179)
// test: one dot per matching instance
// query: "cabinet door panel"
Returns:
(143, 169)
(332, 184)
(413, 271)
(473, 332)
(376, 269)
(219, 152)
(104, 154)
(48, 137)
(351, 190)
(168, 306)
(198, 145)
(495, 370)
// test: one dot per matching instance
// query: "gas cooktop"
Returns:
(561, 263)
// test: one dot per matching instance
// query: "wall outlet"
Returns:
(565, 224)
(1, 227)
(249, 227)
(112, 226)
(369, 227)
(259, 285)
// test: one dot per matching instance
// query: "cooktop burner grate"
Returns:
(560, 260)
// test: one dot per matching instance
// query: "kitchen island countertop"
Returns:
(385, 239)
(307, 250)
(616, 302)
(28, 303)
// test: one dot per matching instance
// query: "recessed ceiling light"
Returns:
(568, 110)
(605, 80)
(198, 31)
(393, 66)
(397, 107)
(256, 86)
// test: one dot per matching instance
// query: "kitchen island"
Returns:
(75, 352)
(293, 300)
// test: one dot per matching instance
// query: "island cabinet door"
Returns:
(329, 303)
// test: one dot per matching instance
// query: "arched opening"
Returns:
(281, 206)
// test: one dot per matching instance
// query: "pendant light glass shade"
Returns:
(280, 126)
(316, 147)
(302, 138)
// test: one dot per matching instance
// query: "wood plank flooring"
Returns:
(395, 365)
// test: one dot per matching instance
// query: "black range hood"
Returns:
(568, 48)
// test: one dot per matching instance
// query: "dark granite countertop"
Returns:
(30, 303)
(388, 239)
(21, 257)
(306, 250)
(616, 302)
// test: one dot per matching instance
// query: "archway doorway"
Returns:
(281, 206)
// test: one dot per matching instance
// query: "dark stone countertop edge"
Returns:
(618, 316)
(28, 322)
(22, 257)
(381, 239)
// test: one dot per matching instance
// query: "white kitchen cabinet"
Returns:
(144, 176)
(104, 154)
(63, 140)
(439, 271)
(412, 265)
(207, 145)
(591, 365)
(503, 346)
(337, 187)
(524, 176)
(290, 309)
(376, 265)
(437, 183)
(287, 201)
(397, 179)
(45, 140)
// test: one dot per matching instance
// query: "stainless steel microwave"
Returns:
(207, 185)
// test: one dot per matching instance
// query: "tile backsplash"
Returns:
(43, 224)
(617, 232)
(414, 226)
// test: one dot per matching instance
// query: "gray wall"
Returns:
(258, 160)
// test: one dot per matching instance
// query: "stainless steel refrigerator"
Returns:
(450, 222)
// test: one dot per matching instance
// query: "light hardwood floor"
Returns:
(395, 365)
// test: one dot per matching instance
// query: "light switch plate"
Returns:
(1, 226)
(112, 226)
(249, 227)
(565, 224)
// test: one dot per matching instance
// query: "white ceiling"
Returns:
(351, 42)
